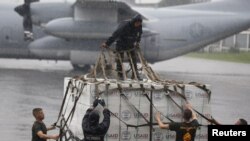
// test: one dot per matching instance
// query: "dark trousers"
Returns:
(132, 63)
(27, 23)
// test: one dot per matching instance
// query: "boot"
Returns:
(120, 76)
(138, 76)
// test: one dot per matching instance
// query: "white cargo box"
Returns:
(124, 98)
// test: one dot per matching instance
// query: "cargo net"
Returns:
(105, 65)
(133, 105)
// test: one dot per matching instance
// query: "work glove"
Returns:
(104, 45)
(136, 44)
(100, 101)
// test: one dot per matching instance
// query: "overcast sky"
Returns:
(20, 1)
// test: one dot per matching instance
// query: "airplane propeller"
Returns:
(24, 11)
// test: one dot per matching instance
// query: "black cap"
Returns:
(243, 121)
(98, 100)
(137, 18)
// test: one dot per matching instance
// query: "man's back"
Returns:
(126, 35)
(92, 129)
(184, 131)
(38, 126)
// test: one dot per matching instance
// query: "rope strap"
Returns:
(184, 97)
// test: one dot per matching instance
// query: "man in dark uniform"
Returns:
(127, 37)
(39, 130)
(92, 129)
(185, 131)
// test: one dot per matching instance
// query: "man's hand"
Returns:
(136, 44)
(45, 136)
(52, 127)
(188, 106)
(55, 137)
(100, 101)
(104, 45)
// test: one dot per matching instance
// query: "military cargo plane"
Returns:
(74, 32)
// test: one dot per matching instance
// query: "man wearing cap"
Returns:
(92, 129)
(127, 37)
(240, 121)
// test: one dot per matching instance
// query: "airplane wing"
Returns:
(104, 11)
(91, 20)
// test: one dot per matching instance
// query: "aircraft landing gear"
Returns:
(84, 68)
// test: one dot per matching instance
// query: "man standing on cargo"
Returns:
(127, 37)
(39, 130)
(92, 129)
(185, 131)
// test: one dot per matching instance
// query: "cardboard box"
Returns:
(126, 102)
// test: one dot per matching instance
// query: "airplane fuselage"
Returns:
(12, 44)
(169, 32)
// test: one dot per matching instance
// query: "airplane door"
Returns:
(150, 43)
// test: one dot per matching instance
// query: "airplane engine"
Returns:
(42, 13)
(50, 48)
(78, 29)
(79, 52)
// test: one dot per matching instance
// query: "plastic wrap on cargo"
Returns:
(123, 99)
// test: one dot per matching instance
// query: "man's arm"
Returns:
(138, 39)
(115, 34)
(52, 127)
(104, 126)
(158, 119)
(44, 136)
(84, 120)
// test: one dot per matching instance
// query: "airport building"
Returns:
(236, 43)
(163, 3)
(197, 1)
(179, 2)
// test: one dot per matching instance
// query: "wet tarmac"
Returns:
(28, 84)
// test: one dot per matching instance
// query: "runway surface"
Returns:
(28, 84)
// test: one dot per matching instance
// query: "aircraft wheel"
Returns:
(81, 67)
